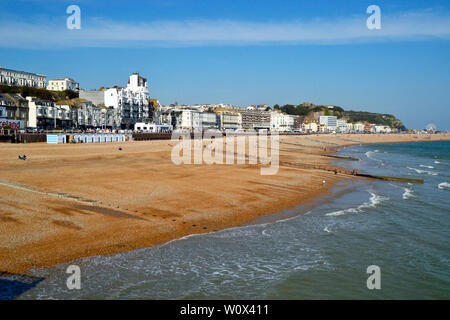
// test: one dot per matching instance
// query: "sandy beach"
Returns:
(72, 201)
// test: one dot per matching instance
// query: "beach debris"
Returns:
(120, 148)
(24, 157)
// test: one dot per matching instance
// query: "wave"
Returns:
(408, 194)
(372, 203)
(437, 162)
(369, 154)
(424, 166)
(326, 229)
(423, 171)
(444, 185)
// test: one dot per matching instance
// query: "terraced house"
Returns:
(21, 78)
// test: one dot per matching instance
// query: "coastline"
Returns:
(39, 229)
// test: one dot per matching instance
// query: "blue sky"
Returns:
(245, 52)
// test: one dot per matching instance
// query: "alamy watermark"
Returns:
(73, 281)
(212, 147)
(374, 20)
(74, 20)
(374, 280)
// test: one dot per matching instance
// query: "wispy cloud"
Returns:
(103, 33)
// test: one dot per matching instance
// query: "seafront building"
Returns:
(255, 120)
(230, 120)
(63, 84)
(328, 123)
(47, 115)
(196, 120)
(359, 127)
(282, 122)
(131, 108)
(21, 78)
(342, 126)
(13, 111)
(42, 114)
(152, 127)
(131, 101)
(310, 127)
(88, 115)
(382, 129)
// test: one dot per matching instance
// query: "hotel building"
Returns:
(131, 102)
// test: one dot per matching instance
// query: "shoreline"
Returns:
(115, 225)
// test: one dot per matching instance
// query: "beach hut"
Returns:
(56, 138)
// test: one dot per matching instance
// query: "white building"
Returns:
(152, 127)
(209, 120)
(131, 101)
(43, 114)
(282, 122)
(349, 126)
(359, 127)
(383, 129)
(191, 120)
(63, 84)
(342, 126)
(47, 115)
(329, 122)
(196, 120)
(22, 78)
(230, 120)
(310, 127)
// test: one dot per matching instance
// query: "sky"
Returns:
(245, 52)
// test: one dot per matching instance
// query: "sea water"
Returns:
(324, 253)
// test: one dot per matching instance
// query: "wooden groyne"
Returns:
(390, 178)
(341, 157)
(338, 170)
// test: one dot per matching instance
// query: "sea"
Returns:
(323, 252)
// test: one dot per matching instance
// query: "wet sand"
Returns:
(72, 201)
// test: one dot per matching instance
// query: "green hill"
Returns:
(306, 109)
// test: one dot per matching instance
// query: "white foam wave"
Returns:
(424, 166)
(369, 154)
(444, 185)
(408, 194)
(437, 162)
(423, 171)
(326, 229)
(264, 233)
(372, 203)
